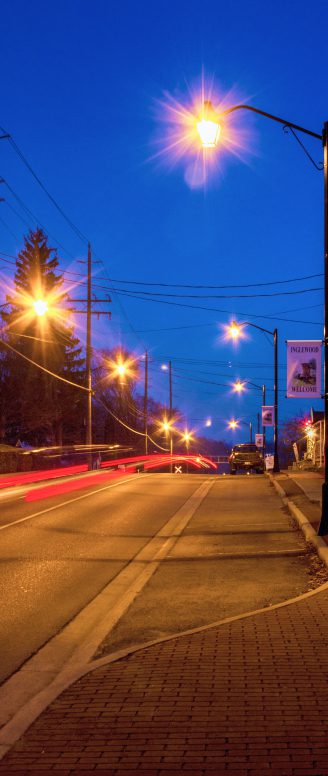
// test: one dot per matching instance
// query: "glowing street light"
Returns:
(208, 126)
(40, 307)
(233, 424)
(167, 427)
(187, 437)
(122, 368)
(238, 386)
(235, 330)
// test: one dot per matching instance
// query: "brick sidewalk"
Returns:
(246, 697)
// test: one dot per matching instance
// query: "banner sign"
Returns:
(267, 416)
(304, 369)
(259, 440)
(269, 462)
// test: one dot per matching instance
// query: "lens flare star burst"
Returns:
(183, 118)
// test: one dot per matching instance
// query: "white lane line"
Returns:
(70, 501)
(131, 580)
(30, 690)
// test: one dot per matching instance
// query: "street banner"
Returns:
(304, 369)
(269, 461)
(296, 453)
(259, 440)
(267, 415)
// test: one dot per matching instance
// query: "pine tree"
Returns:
(38, 407)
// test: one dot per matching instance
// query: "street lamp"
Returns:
(167, 428)
(234, 330)
(209, 117)
(40, 307)
(168, 368)
(208, 127)
(235, 424)
(187, 438)
(240, 386)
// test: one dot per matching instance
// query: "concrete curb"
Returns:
(310, 535)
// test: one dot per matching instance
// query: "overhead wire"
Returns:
(32, 216)
(129, 428)
(153, 294)
(218, 310)
(230, 285)
(27, 164)
(43, 368)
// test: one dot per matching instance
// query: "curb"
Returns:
(310, 535)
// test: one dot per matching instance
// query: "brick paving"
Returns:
(245, 698)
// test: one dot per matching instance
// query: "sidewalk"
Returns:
(245, 697)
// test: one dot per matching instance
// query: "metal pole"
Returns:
(170, 413)
(250, 432)
(146, 403)
(263, 427)
(88, 359)
(276, 467)
(323, 527)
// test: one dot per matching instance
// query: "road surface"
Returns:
(171, 552)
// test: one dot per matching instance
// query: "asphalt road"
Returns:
(175, 551)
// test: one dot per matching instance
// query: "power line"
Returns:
(192, 285)
(43, 368)
(23, 158)
(216, 309)
(32, 216)
(214, 296)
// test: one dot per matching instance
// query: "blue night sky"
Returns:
(85, 90)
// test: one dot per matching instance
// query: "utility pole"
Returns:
(146, 403)
(170, 414)
(88, 349)
(263, 427)
(88, 435)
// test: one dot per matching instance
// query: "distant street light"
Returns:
(235, 424)
(122, 367)
(167, 427)
(235, 329)
(168, 368)
(240, 386)
(186, 438)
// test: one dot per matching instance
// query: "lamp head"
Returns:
(40, 307)
(208, 126)
(238, 386)
(234, 330)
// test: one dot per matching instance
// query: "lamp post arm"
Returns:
(271, 116)
(256, 326)
(260, 387)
